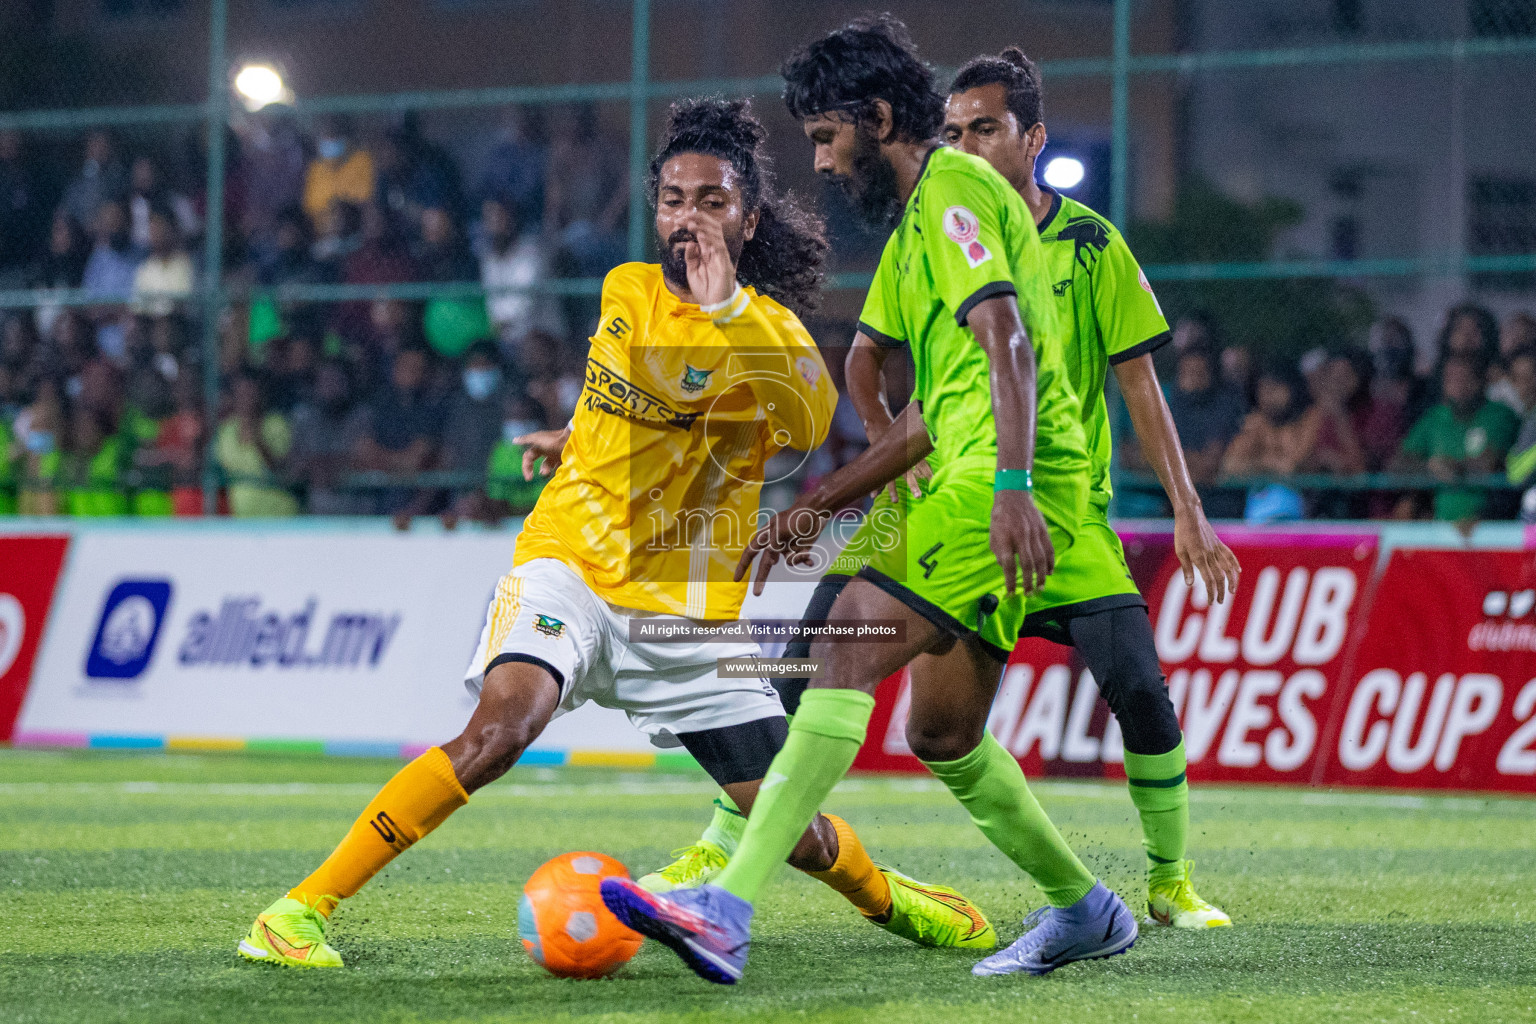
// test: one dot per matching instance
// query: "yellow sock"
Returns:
(417, 800)
(854, 875)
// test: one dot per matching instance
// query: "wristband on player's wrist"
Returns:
(1013, 480)
(728, 310)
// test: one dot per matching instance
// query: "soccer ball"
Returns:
(563, 923)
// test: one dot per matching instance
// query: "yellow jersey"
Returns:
(657, 493)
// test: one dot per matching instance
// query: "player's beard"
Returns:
(674, 265)
(872, 184)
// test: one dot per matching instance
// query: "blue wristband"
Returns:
(1013, 480)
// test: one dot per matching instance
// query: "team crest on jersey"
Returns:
(1147, 287)
(548, 626)
(809, 371)
(695, 380)
(1088, 236)
(963, 228)
(1060, 287)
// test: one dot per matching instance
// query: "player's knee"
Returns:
(942, 741)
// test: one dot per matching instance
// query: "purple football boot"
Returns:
(1096, 926)
(708, 927)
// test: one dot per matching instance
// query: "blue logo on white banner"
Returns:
(128, 630)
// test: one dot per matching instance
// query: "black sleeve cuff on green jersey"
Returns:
(883, 340)
(1146, 348)
(981, 294)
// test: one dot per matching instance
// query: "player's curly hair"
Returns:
(785, 258)
(867, 59)
(1017, 74)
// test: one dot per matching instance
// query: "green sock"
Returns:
(826, 734)
(1161, 795)
(726, 827)
(989, 783)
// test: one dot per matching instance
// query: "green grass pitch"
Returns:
(125, 882)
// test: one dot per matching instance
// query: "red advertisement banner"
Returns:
(29, 571)
(1251, 678)
(1442, 691)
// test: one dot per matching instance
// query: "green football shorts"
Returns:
(934, 554)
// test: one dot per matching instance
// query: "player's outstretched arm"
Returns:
(1194, 541)
(1020, 539)
(791, 533)
(545, 445)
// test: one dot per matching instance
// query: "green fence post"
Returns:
(639, 86)
(213, 241)
(1120, 117)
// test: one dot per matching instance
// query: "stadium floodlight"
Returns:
(1064, 172)
(259, 85)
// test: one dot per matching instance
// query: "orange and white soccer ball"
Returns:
(564, 924)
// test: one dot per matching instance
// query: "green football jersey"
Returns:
(966, 236)
(1110, 313)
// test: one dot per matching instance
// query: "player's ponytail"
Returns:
(1017, 74)
(785, 257)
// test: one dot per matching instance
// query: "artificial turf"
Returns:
(126, 881)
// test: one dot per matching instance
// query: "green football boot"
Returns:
(934, 915)
(692, 866)
(292, 933)
(1172, 900)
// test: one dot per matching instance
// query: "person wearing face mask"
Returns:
(340, 170)
(507, 491)
(473, 426)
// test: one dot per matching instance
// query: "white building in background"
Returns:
(1400, 158)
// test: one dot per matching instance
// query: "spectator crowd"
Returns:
(1267, 440)
(323, 406)
(102, 410)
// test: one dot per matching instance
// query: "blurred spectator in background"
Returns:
(164, 278)
(71, 344)
(290, 260)
(511, 257)
(515, 166)
(1391, 408)
(1463, 435)
(327, 430)
(1195, 330)
(587, 193)
(339, 170)
(23, 217)
(1518, 332)
(442, 254)
(20, 350)
(548, 376)
(251, 446)
(39, 434)
(506, 490)
(1470, 332)
(415, 174)
(1239, 374)
(473, 424)
(148, 193)
(93, 466)
(403, 425)
(381, 258)
(1328, 432)
(451, 324)
(1207, 415)
(62, 265)
(100, 179)
(275, 163)
(290, 365)
(340, 236)
(174, 458)
(1394, 350)
(1269, 442)
(109, 274)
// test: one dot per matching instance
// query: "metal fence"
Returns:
(1485, 38)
